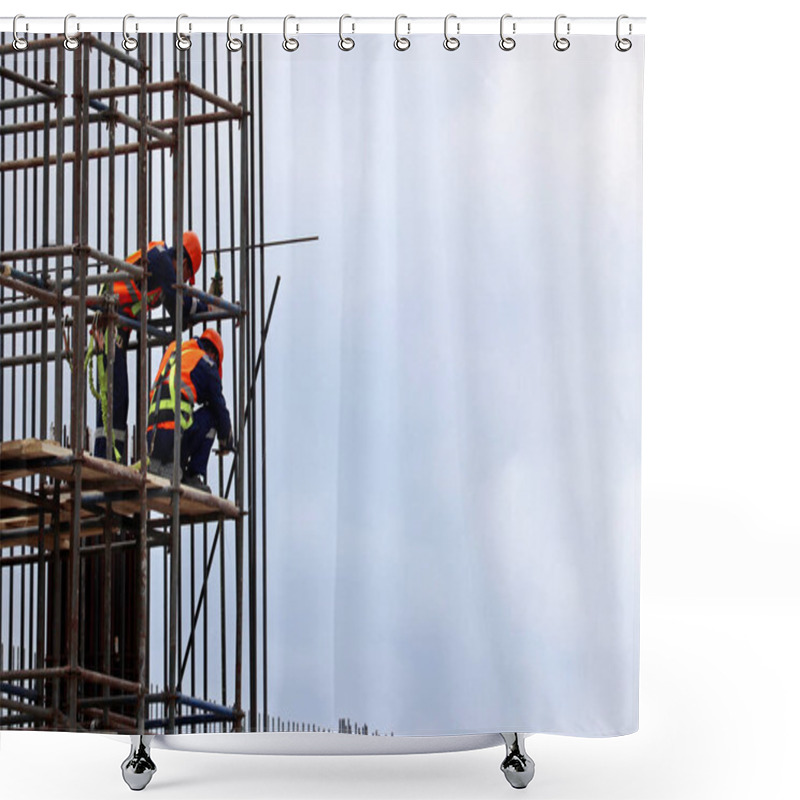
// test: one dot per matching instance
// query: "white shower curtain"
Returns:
(454, 384)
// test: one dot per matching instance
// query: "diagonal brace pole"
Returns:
(209, 564)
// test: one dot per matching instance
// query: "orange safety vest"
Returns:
(162, 396)
(129, 292)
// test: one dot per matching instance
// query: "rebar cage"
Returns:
(129, 602)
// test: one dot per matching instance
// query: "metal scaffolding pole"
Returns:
(240, 461)
(80, 225)
(76, 575)
(143, 577)
(177, 228)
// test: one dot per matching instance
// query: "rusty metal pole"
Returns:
(77, 420)
(177, 228)
(242, 330)
(41, 577)
(141, 394)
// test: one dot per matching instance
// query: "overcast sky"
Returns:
(453, 402)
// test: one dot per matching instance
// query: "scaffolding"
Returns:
(93, 553)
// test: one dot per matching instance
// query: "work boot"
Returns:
(195, 481)
(160, 468)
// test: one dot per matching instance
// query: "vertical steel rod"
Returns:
(243, 276)
(263, 505)
(143, 573)
(223, 654)
(204, 193)
(190, 226)
(177, 227)
(41, 579)
(252, 559)
(80, 230)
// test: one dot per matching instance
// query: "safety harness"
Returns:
(161, 414)
(129, 297)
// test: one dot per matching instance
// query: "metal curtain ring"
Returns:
(128, 42)
(233, 44)
(345, 43)
(401, 42)
(561, 43)
(19, 43)
(623, 45)
(70, 43)
(506, 42)
(451, 42)
(182, 42)
(289, 45)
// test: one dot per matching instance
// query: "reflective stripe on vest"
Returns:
(161, 413)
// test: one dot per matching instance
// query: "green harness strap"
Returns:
(168, 404)
(98, 389)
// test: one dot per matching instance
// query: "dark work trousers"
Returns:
(196, 443)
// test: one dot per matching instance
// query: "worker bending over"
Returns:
(201, 385)
(162, 264)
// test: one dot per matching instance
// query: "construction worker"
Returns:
(201, 385)
(162, 264)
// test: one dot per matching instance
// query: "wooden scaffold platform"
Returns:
(105, 486)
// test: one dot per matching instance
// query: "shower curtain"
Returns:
(429, 263)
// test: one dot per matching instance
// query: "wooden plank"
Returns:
(23, 521)
(104, 476)
(29, 450)
(32, 448)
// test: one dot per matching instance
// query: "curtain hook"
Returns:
(289, 45)
(401, 42)
(623, 45)
(19, 43)
(70, 42)
(233, 44)
(561, 43)
(182, 42)
(451, 42)
(345, 43)
(507, 42)
(128, 42)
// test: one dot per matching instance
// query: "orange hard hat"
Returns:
(192, 248)
(210, 335)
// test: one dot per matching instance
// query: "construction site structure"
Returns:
(117, 586)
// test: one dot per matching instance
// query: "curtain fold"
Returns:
(454, 384)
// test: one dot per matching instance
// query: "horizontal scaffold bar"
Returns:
(168, 86)
(103, 115)
(28, 709)
(8, 307)
(68, 158)
(74, 250)
(194, 719)
(30, 83)
(88, 675)
(86, 39)
(34, 325)
(197, 119)
(114, 720)
(21, 361)
(33, 44)
(26, 100)
(19, 691)
(210, 299)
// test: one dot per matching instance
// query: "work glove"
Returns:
(216, 286)
(227, 446)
